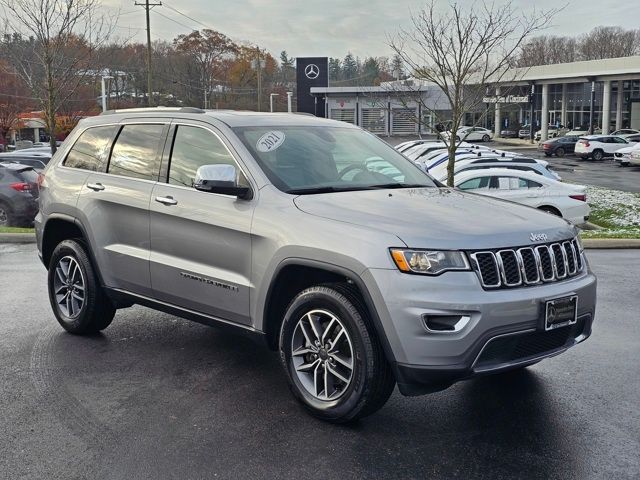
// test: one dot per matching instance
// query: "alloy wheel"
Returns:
(4, 217)
(69, 287)
(322, 355)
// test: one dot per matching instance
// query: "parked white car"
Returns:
(599, 146)
(623, 156)
(563, 199)
(470, 134)
(539, 167)
(624, 132)
(634, 158)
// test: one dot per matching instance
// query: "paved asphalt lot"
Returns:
(158, 397)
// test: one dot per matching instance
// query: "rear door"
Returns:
(200, 241)
(115, 205)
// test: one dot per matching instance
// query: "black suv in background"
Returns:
(18, 195)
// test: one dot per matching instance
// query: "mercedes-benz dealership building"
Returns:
(563, 94)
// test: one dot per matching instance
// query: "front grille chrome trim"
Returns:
(562, 259)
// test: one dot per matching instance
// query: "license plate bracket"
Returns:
(560, 312)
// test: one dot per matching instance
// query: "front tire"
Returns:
(334, 361)
(77, 299)
(486, 138)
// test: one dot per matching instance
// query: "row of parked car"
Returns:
(620, 144)
(19, 171)
(502, 174)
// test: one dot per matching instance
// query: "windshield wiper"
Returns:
(399, 185)
(310, 190)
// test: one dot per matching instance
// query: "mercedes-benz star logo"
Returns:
(311, 71)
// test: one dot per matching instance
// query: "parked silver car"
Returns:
(315, 236)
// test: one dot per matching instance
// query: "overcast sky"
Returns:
(334, 27)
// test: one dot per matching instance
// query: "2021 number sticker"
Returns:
(270, 141)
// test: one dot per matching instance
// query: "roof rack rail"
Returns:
(155, 109)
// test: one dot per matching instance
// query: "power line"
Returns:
(174, 20)
(186, 16)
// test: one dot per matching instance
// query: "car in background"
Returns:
(552, 132)
(625, 132)
(404, 146)
(18, 195)
(623, 156)
(470, 134)
(509, 132)
(559, 146)
(562, 199)
(36, 164)
(599, 146)
(634, 158)
(36, 160)
(524, 132)
(539, 167)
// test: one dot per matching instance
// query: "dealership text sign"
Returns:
(507, 99)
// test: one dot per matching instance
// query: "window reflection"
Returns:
(90, 150)
(134, 152)
(194, 147)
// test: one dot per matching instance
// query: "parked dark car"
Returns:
(18, 195)
(559, 146)
(510, 132)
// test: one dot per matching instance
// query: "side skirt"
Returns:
(124, 299)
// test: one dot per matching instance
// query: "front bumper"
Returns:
(426, 361)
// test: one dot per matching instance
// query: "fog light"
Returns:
(445, 323)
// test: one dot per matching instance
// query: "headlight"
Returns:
(429, 262)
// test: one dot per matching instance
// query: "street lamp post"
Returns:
(104, 94)
(271, 101)
(289, 97)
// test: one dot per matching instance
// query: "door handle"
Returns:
(96, 187)
(166, 200)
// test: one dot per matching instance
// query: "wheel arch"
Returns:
(294, 275)
(549, 207)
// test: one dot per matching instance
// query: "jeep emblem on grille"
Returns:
(538, 237)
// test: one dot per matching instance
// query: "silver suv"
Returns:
(317, 237)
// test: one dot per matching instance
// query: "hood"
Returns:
(438, 217)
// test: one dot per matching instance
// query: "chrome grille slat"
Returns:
(525, 266)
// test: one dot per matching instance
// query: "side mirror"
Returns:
(221, 178)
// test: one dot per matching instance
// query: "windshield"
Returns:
(301, 160)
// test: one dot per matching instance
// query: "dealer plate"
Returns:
(561, 312)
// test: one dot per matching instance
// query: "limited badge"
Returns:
(270, 141)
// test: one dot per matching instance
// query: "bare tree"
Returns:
(54, 56)
(463, 51)
(547, 50)
(609, 42)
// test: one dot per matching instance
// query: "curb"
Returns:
(611, 243)
(17, 238)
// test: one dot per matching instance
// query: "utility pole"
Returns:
(148, 6)
(258, 64)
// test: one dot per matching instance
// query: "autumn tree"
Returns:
(462, 51)
(54, 57)
(207, 49)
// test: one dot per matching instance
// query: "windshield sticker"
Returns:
(270, 141)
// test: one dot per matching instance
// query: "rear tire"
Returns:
(597, 155)
(77, 299)
(560, 152)
(327, 329)
(6, 216)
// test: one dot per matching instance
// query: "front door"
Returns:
(200, 241)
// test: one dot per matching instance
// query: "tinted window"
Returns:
(192, 148)
(524, 183)
(91, 149)
(618, 140)
(475, 183)
(134, 153)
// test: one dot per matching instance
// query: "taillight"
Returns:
(582, 197)
(585, 143)
(546, 146)
(21, 186)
